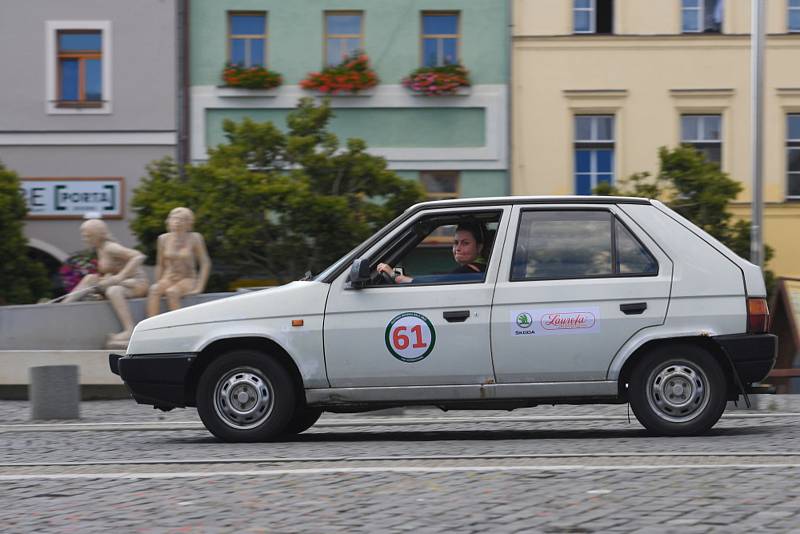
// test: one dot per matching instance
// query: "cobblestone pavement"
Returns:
(544, 469)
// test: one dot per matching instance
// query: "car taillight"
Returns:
(757, 316)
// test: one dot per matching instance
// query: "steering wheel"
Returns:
(381, 277)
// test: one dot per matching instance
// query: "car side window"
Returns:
(427, 253)
(632, 257)
(564, 244)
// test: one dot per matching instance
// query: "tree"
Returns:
(277, 204)
(22, 280)
(698, 190)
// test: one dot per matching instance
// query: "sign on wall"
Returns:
(72, 198)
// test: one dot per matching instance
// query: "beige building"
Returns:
(599, 85)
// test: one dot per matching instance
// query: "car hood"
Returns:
(296, 298)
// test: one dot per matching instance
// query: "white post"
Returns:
(757, 129)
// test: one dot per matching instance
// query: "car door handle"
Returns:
(633, 309)
(456, 316)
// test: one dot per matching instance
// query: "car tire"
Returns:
(246, 396)
(678, 390)
(303, 419)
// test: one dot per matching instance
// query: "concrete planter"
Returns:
(365, 92)
(223, 91)
(461, 91)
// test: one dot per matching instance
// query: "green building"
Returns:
(456, 144)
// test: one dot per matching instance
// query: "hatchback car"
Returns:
(562, 300)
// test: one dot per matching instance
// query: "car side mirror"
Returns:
(359, 273)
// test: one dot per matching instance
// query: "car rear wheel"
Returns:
(303, 419)
(245, 396)
(678, 390)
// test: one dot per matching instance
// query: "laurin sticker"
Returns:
(545, 321)
(410, 337)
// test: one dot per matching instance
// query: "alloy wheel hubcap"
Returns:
(243, 398)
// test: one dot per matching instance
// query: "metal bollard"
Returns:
(54, 392)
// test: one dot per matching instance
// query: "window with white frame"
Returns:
(247, 38)
(793, 16)
(593, 16)
(793, 156)
(702, 16)
(594, 152)
(704, 133)
(78, 67)
(344, 35)
(440, 36)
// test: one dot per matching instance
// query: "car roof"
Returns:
(494, 201)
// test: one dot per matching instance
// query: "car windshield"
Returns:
(350, 256)
(332, 267)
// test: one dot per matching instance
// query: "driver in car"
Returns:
(468, 244)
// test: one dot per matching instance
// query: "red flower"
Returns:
(353, 74)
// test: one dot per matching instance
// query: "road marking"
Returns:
(378, 469)
(418, 458)
(360, 422)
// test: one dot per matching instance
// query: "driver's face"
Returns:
(465, 248)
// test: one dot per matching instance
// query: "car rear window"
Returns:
(559, 244)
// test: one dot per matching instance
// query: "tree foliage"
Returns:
(273, 203)
(22, 280)
(698, 190)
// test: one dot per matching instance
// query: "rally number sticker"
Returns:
(410, 337)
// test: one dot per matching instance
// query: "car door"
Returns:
(576, 282)
(412, 334)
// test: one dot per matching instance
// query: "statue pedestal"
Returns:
(74, 326)
(66, 334)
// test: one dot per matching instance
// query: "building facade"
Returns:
(89, 100)
(600, 85)
(455, 145)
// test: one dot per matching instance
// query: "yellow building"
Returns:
(599, 85)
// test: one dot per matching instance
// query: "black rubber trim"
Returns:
(752, 355)
(157, 379)
(113, 360)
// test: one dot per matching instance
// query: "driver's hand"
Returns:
(385, 268)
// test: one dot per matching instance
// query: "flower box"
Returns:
(446, 80)
(224, 91)
(237, 76)
(352, 76)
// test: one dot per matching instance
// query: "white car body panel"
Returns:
(572, 355)
(684, 321)
(356, 322)
(753, 277)
(267, 314)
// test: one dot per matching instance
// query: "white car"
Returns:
(571, 300)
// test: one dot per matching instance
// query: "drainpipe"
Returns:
(182, 85)
(509, 93)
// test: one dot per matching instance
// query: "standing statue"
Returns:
(120, 275)
(182, 262)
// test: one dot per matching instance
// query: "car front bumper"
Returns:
(157, 379)
(752, 355)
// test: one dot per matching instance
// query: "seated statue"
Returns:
(120, 275)
(182, 262)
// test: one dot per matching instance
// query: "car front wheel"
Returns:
(303, 419)
(678, 390)
(245, 396)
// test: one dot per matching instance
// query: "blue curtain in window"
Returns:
(593, 166)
